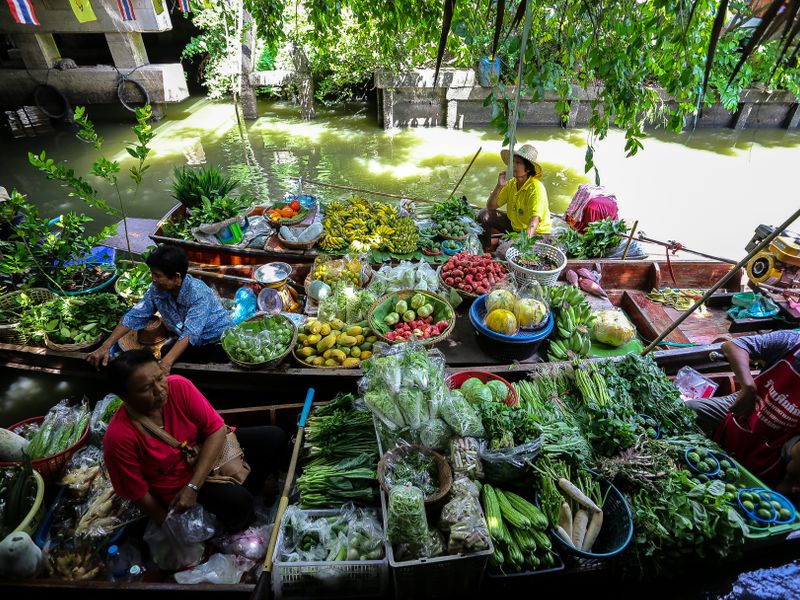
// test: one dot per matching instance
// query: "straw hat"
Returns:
(529, 153)
(154, 335)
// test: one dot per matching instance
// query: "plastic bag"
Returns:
(461, 416)
(219, 569)
(531, 307)
(465, 457)
(462, 486)
(251, 543)
(692, 384)
(457, 509)
(504, 465)
(469, 534)
(406, 520)
(612, 327)
(410, 466)
(167, 553)
(364, 537)
(434, 434)
(101, 416)
(191, 526)
(245, 305)
(85, 467)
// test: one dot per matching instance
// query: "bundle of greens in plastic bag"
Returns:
(62, 427)
(460, 415)
(346, 303)
(405, 276)
(462, 517)
(408, 464)
(406, 520)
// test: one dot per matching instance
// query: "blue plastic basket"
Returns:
(98, 288)
(477, 315)
(712, 473)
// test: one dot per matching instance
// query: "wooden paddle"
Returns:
(263, 587)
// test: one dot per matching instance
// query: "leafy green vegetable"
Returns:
(499, 390)
(406, 520)
(17, 493)
(73, 319)
(599, 238)
(329, 482)
(413, 467)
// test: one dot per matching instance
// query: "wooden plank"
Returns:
(649, 317)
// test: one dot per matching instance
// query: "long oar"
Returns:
(263, 588)
(763, 244)
(464, 174)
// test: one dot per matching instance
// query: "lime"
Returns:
(764, 514)
(784, 514)
(730, 488)
(776, 504)
(748, 506)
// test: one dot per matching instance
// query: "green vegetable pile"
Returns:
(17, 494)
(598, 239)
(133, 283)
(413, 467)
(62, 427)
(341, 456)
(73, 319)
(256, 342)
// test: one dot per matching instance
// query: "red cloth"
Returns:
(591, 203)
(598, 209)
(138, 463)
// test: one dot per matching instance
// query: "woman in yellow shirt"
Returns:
(525, 198)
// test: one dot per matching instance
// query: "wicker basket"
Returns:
(288, 221)
(10, 333)
(72, 347)
(273, 362)
(445, 473)
(525, 275)
(299, 245)
(405, 295)
(49, 467)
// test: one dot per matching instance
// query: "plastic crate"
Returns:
(500, 580)
(774, 534)
(328, 579)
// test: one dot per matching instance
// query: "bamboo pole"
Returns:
(644, 238)
(630, 239)
(469, 166)
(761, 245)
(354, 189)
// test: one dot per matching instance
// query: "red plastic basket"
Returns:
(455, 380)
(49, 467)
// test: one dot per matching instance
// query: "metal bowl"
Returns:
(273, 274)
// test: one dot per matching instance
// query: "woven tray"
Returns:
(72, 347)
(299, 245)
(288, 221)
(9, 332)
(304, 364)
(404, 295)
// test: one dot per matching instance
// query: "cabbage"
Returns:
(469, 384)
(478, 393)
(410, 402)
(612, 327)
(499, 390)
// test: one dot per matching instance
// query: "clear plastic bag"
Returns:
(458, 509)
(434, 434)
(411, 466)
(505, 464)
(406, 520)
(219, 569)
(101, 416)
(364, 537)
(462, 486)
(692, 384)
(469, 534)
(465, 457)
(250, 543)
(84, 468)
(191, 526)
(167, 553)
(461, 416)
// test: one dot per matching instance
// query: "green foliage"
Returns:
(192, 185)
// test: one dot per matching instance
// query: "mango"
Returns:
(313, 339)
(325, 330)
(331, 363)
(365, 346)
(344, 349)
(326, 343)
(327, 354)
(336, 332)
(338, 355)
(371, 339)
(359, 339)
(346, 340)
(354, 331)
(365, 355)
(302, 337)
(351, 363)
(338, 324)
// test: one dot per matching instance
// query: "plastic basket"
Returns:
(523, 274)
(42, 536)
(10, 333)
(772, 534)
(328, 579)
(112, 268)
(506, 347)
(615, 534)
(34, 517)
(49, 467)
(455, 380)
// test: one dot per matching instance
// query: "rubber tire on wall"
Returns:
(53, 90)
(142, 89)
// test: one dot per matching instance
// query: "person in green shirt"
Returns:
(524, 196)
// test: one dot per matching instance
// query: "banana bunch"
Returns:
(364, 225)
(405, 236)
(574, 320)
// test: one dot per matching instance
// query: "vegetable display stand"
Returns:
(455, 380)
(49, 467)
(439, 577)
(328, 579)
(767, 536)
(615, 534)
(31, 521)
(10, 332)
(526, 275)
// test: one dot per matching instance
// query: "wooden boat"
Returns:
(228, 255)
(627, 284)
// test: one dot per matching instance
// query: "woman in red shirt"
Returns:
(157, 476)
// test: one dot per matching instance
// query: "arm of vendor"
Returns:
(188, 308)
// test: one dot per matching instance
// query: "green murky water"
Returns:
(707, 189)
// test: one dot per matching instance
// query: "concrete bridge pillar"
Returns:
(38, 50)
(127, 50)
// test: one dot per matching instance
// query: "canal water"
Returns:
(707, 189)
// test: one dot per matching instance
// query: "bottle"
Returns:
(116, 564)
(136, 573)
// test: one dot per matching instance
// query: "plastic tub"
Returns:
(455, 380)
(506, 347)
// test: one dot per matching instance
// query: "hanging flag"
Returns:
(22, 11)
(126, 10)
(158, 5)
(186, 6)
(83, 11)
